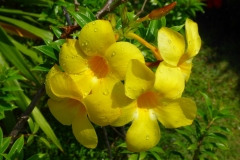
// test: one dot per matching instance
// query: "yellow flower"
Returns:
(172, 47)
(98, 57)
(148, 106)
(66, 105)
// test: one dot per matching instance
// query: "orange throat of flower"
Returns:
(99, 66)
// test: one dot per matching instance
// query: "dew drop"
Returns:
(160, 71)
(82, 44)
(113, 54)
(101, 47)
(95, 30)
(86, 43)
(143, 88)
(147, 137)
(93, 23)
(122, 49)
(134, 89)
(179, 68)
(129, 88)
(106, 92)
(85, 94)
(169, 41)
(190, 43)
(64, 64)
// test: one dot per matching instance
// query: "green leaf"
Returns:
(180, 144)
(152, 30)
(30, 28)
(155, 155)
(56, 44)
(157, 149)
(45, 142)
(16, 148)
(163, 21)
(33, 55)
(212, 155)
(39, 156)
(192, 147)
(208, 103)
(5, 144)
(81, 18)
(30, 140)
(219, 136)
(42, 67)
(1, 139)
(142, 155)
(177, 28)
(11, 88)
(47, 50)
(56, 31)
(9, 51)
(15, 11)
(177, 154)
(124, 145)
(133, 157)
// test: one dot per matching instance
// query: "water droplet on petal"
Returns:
(82, 44)
(160, 71)
(143, 88)
(85, 94)
(64, 64)
(122, 49)
(147, 137)
(95, 30)
(169, 41)
(86, 43)
(190, 43)
(93, 23)
(113, 54)
(106, 92)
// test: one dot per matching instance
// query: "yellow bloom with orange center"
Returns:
(67, 106)
(97, 56)
(171, 45)
(149, 105)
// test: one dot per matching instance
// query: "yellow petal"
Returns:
(63, 86)
(96, 37)
(186, 68)
(144, 133)
(118, 56)
(127, 114)
(193, 38)
(105, 85)
(101, 109)
(176, 113)
(169, 81)
(71, 57)
(83, 81)
(55, 69)
(83, 130)
(65, 110)
(171, 45)
(139, 79)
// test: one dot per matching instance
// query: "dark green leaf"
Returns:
(42, 67)
(5, 144)
(157, 149)
(180, 144)
(16, 148)
(56, 31)
(47, 50)
(133, 157)
(155, 155)
(81, 19)
(38, 156)
(192, 147)
(163, 21)
(124, 145)
(208, 103)
(142, 155)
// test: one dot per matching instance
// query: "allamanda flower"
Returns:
(172, 47)
(148, 106)
(67, 106)
(97, 56)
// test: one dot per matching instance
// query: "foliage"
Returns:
(201, 140)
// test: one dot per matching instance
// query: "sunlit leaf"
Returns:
(81, 19)
(16, 148)
(39, 156)
(47, 50)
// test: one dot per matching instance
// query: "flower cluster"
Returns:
(88, 85)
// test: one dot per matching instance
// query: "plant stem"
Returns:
(27, 112)
(107, 142)
(108, 7)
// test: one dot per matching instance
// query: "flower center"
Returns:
(148, 100)
(99, 66)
